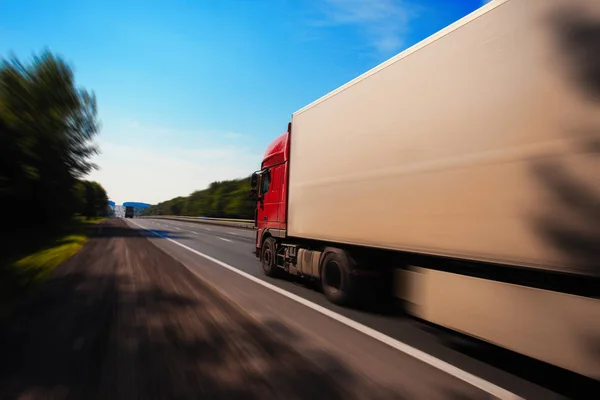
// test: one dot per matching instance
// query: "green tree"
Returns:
(226, 199)
(95, 200)
(47, 124)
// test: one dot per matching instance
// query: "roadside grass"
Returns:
(33, 255)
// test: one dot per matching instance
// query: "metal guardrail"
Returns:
(235, 223)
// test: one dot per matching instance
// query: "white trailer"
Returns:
(453, 146)
(474, 155)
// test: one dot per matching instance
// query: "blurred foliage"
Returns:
(47, 125)
(226, 199)
(92, 200)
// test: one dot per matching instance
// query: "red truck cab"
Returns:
(270, 188)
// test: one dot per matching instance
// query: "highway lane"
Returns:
(234, 247)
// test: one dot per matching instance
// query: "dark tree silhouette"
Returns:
(47, 124)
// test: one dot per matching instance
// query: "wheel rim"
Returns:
(267, 258)
(333, 276)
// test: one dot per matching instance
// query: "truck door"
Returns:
(270, 192)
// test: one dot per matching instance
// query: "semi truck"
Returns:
(129, 212)
(462, 175)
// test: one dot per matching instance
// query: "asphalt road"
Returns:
(124, 320)
(215, 253)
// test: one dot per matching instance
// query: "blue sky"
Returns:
(193, 91)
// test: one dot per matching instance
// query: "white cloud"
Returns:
(134, 169)
(384, 22)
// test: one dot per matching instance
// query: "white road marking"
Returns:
(195, 233)
(450, 369)
(176, 228)
(227, 240)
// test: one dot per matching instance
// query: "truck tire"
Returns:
(336, 277)
(268, 256)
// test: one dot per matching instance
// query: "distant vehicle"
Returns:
(455, 176)
(129, 212)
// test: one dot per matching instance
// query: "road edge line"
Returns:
(428, 359)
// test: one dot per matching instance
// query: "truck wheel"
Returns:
(268, 257)
(336, 278)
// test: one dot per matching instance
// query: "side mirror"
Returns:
(254, 180)
(253, 194)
